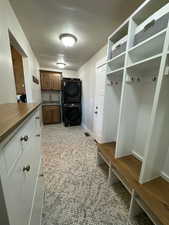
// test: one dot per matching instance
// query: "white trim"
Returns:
(164, 176)
(139, 157)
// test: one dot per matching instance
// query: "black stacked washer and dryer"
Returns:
(71, 101)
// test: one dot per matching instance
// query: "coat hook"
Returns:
(154, 79)
(138, 79)
(132, 79)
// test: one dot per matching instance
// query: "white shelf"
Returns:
(117, 72)
(148, 48)
(118, 57)
(149, 65)
(147, 9)
(120, 32)
(116, 62)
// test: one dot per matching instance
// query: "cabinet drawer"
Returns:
(12, 151)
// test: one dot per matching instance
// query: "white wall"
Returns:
(9, 22)
(87, 74)
(65, 73)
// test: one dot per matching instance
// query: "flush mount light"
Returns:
(68, 39)
(61, 65)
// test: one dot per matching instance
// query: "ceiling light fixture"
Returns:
(61, 65)
(68, 39)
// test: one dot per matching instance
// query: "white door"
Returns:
(99, 101)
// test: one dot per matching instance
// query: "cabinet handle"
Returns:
(41, 175)
(26, 168)
(38, 135)
(37, 118)
(24, 138)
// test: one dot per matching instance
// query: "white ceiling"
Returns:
(91, 21)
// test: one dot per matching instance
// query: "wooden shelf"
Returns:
(127, 166)
(107, 150)
(155, 195)
(148, 48)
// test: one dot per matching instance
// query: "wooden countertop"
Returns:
(12, 115)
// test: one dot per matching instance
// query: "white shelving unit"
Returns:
(116, 56)
(143, 72)
(138, 95)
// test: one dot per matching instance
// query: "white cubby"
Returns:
(116, 63)
(148, 48)
(135, 117)
(117, 44)
(137, 74)
(156, 161)
(137, 96)
(112, 99)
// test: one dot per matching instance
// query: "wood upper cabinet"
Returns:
(51, 114)
(18, 71)
(50, 80)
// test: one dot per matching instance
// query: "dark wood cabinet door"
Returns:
(55, 79)
(50, 81)
(45, 81)
(51, 114)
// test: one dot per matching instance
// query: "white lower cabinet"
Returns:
(21, 184)
(38, 201)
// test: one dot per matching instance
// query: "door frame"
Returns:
(99, 64)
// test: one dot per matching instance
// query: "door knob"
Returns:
(24, 138)
(26, 168)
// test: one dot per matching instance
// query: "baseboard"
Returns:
(139, 157)
(87, 129)
(165, 176)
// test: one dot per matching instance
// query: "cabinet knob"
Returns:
(26, 168)
(96, 112)
(37, 118)
(24, 138)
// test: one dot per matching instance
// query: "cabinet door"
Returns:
(51, 114)
(55, 81)
(45, 81)
(50, 81)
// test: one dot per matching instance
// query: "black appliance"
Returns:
(72, 114)
(72, 90)
(71, 101)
